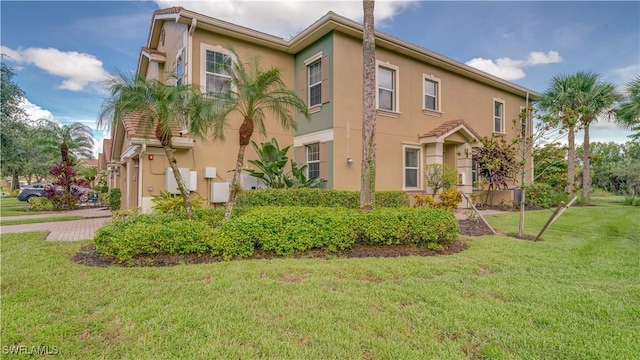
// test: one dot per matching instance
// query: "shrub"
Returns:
(425, 226)
(15, 193)
(40, 204)
(424, 201)
(114, 199)
(168, 203)
(151, 234)
(104, 198)
(450, 198)
(285, 231)
(318, 197)
(540, 195)
(629, 200)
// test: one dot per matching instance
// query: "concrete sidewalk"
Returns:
(73, 230)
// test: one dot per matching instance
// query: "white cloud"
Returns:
(35, 112)
(510, 69)
(276, 17)
(504, 68)
(78, 70)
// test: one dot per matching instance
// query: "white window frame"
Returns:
(438, 95)
(180, 64)
(316, 58)
(307, 151)
(204, 48)
(495, 117)
(418, 168)
(396, 88)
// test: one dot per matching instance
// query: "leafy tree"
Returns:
(368, 168)
(550, 165)
(440, 176)
(252, 92)
(497, 163)
(628, 111)
(158, 106)
(13, 126)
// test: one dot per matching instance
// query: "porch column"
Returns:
(435, 153)
(463, 162)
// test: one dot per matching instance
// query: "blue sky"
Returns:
(61, 51)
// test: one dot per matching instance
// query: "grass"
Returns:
(10, 206)
(574, 295)
(36, 220)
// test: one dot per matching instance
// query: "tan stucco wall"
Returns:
(461, 98)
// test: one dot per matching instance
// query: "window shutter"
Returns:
(302, 84)
(324, 68)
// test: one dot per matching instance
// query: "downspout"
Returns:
(192, 29)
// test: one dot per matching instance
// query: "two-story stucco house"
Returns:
(430, 108)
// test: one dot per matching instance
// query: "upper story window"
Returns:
(217, 79)
(180, 68)
(498, 115)
(313, 161)
(431, 91)
(313, 81)
(386, 88)
(314, 73)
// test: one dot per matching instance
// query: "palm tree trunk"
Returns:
(245, 132)
(571, 160)
(368, 168)
(586, 175)
(235, 183)
(181, 186)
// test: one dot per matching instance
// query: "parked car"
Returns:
(39, 190)
(28, 192)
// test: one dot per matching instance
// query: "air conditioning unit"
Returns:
(220, 192)
(172, 185)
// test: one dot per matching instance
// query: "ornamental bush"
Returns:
(40, 204)
(421, 226)
(318, 197)
(540, 195)
(152, 234)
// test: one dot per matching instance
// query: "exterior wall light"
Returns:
(349, 161)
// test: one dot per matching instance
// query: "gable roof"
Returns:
(447, 128)
(324, 25)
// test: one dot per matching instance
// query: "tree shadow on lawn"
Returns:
(89, 257)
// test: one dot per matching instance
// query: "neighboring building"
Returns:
(431, 109)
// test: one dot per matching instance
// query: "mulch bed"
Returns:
(88, 255)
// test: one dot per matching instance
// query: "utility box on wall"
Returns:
(220, 192)
(172, 185)
(210, 173)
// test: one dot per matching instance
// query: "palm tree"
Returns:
(158, 106)
(75, 140)
(628, 112)
(560, 105)
(368, 169)
(597, 101)
(252, 93)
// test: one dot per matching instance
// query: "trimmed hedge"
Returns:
(282, 231)
(152, 234)
(318, 197)
(429, 227)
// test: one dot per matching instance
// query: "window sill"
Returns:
(430, 112)
(388, 113)
(314, 109)
(498, 133)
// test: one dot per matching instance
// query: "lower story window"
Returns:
(313, 161)
(411, 168)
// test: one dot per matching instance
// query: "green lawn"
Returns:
(10, 206)
(574, 295)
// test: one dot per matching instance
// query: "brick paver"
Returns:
(73, 230)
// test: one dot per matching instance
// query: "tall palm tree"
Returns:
(368, 169)
(158, 106)
(73, 140)
(559, 104)
(252, 93)
(628, 111)
(598, 98)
